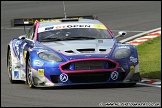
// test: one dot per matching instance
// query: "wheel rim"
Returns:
(29, 75)
(10, 66)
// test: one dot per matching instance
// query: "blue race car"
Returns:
(70, 51)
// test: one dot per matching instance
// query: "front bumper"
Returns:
(65, 74)
(136, 77)
(83, 78)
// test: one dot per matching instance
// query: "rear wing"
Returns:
(31, 21)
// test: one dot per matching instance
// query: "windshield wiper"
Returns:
(80, 38)
(51, 39)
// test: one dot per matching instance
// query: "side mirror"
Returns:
(22, 37)
(121, 33)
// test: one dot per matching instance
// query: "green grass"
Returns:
(149, 54)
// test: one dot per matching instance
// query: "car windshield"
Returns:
(73, 34)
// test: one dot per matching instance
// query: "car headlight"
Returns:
(122, 53)
(49, 56)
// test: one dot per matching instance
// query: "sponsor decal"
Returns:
(68, 26)
(124, 47)
(28, 20)
(17, 47)
(17, 67)
(41, 72)
(24, 45)
(73, 26)
(14, 59)
(100, 41)
(41, 50)
(132, 59)
(87, 55)
(49, 28)
(38, 63)
(60, 27)
(22, 75)
(21, 58)
(63, 77)
(99, 26)
(114, 75)
(46, 20)
(35, 47)
(122, 69)
(25, 52)
(78, 26)
(16, 74)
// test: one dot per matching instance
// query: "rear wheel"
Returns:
(29, 78)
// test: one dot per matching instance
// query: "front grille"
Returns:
(89, 77)
(87, 65)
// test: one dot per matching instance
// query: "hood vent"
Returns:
(69, 51)
(90, 50)
(102, 49)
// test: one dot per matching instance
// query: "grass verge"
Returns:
(149, 54)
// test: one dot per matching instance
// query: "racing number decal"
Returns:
(41, 72)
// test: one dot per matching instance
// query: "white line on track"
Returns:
(14, 28)
(151, 85)
(126, 31)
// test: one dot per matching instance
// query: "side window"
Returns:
(33, 32)
(30, 34)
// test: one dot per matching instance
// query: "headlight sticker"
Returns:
(41, 72)
(49, 56)
(122, 53)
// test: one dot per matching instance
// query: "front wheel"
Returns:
(29, 78)
(9, 67)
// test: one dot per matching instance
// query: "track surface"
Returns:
(132, 16)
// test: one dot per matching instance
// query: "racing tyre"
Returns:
(9, 67)
(29, 78)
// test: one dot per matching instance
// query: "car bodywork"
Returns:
(59, 62)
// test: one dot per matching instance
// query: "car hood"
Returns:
(75, 47)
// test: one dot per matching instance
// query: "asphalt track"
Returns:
(131, 16)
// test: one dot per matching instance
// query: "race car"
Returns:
(70, 51)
